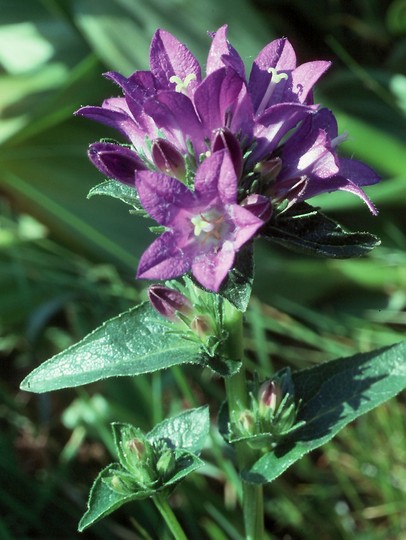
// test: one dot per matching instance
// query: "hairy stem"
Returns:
(170, 519)
(237, 398)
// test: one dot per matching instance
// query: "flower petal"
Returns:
(211, 268)
(116, 119)
(304, 77)
(216, 177)
(174, 113)
(222, 54)
(358, 172)
(169, 57)
(163, 197)
(246, 225)
(216, 97)
(278, 54)
(311, 155)
(273, 125)
(163, 259)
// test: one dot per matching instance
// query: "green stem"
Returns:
(237, 398)
(170, 519)
(253, 511)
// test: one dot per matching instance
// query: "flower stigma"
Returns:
(181, 86)
(209, 225)
(275, 79)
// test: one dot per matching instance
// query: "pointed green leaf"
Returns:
(117, 190)
(103, 500)
(137, 341)
(305, 229)
(188, 430)
(333, 394)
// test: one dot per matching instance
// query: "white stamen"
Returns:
(275, 79)
(181, 86)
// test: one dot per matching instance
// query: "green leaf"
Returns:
(137, 341)
(237, 288)
(187, 430)
(223, 366)
(117, 190)
(305, 229)
(333, 394)
(102, 499)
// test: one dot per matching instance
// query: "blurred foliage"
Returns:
(68, 263)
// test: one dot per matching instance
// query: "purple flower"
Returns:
(309, 164)
(247, 144)
(205, 227)
(174, 101)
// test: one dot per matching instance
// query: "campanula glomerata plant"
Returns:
(219, 160)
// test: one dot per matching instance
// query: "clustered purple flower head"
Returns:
(226, 149)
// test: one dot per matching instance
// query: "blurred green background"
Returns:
(68, 263)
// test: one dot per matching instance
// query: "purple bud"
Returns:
(168, 159)
(269, 397)
(269, 169)
(259, 205)
(167, 302)
(224, 139)
(115, 161)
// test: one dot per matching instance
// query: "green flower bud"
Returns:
(246, 423)
(166, 464)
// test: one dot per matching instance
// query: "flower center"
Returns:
(275, 79)
(209, 226)
(181, 86)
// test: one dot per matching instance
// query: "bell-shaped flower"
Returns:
(311, 166)
(205, 227)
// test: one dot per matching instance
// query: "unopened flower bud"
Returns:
(269, 169)
(269, 397)
(168, 302)
(202, 326)
(137, 447)
(224, 139)
(166, 464)
(259, 205)
(118, 485)
(115, 161)
(246, 421)
(168, 159)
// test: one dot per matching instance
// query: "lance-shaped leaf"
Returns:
(137, 341)
(333, 394)
(305, 229)
(118, 190)
(103, 500)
